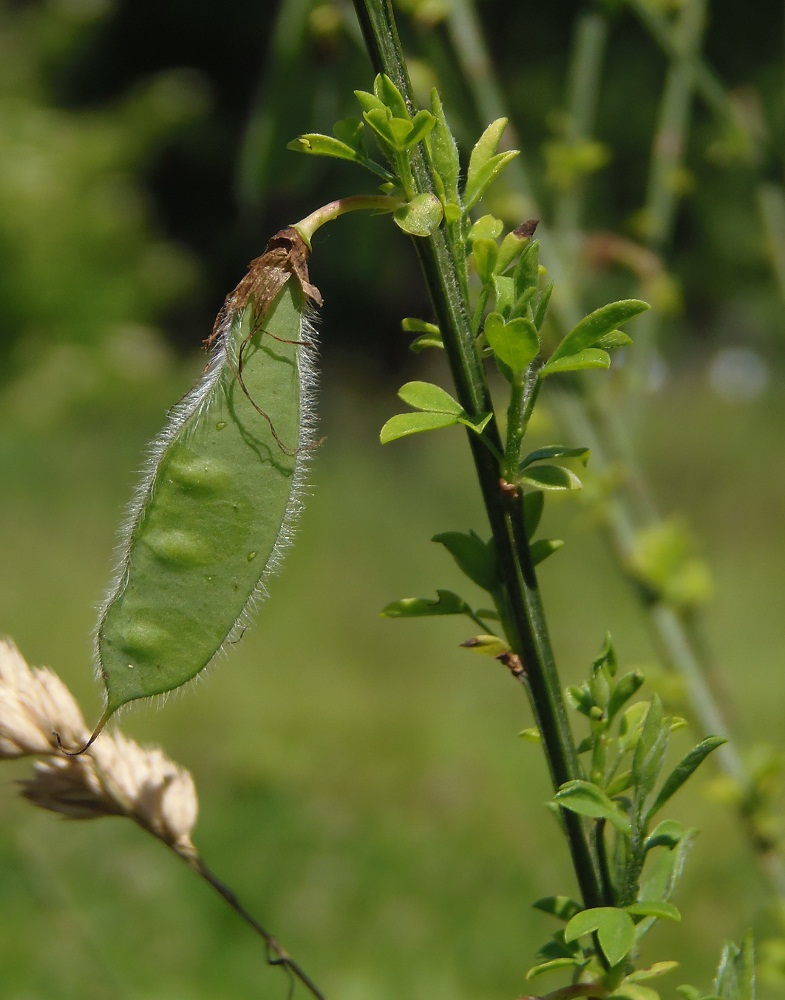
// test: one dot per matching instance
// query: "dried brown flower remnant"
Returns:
(34, 704)
(117, 777)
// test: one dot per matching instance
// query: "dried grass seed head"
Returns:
(34, 704)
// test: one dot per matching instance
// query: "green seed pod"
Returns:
(222, 488)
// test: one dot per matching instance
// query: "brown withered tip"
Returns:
(513, 663)
(285, 256)
(526, 229)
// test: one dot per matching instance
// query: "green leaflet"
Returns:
(217, 506)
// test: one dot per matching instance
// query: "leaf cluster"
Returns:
(621, 794)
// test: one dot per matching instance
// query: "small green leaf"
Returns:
(421, 216)
(586, 744)
(613, 340)
(654, 970)
(592, 357)
(664, 869)
(581, 699)
(654, 908)
(411, 324)
(444, 152)
(478, 425)
(542, 306)
(404, 424)
(631, 725)
(427, 396)
(485, 253)
(552, 966)
(487, 645)
(484, 166)
(369, 102)
(389, 95)
(587, 799)
(504, 288)
(735, 978)
(527, 271)
(544, 547)
(512, 246)
(531, 735)
(325, 145)
(614, 928)
(474, 557)
(690, 993)
(426, 340)
(487, 144)
(351, 131)
(488, 227)
(628, 990)
(389, 130)
(447, 603)
(515, 343)
(596, 325)
(650, 751)
(665, 834)
(422, 124)
(551, 477)
(556, 451)
(561, 907)
(521, 306)
(485, 176)
(626, 687)
(683, 770)
(619, 784)
(430, 334)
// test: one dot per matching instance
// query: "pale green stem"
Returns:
(335, 209)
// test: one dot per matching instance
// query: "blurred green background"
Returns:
(362, 784)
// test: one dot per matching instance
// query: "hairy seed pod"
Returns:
(221, 490)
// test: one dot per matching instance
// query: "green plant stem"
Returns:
(529, 633)
(341, 206)
(587, 417)
(276, 953)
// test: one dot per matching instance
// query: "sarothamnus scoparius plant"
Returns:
(158, 628)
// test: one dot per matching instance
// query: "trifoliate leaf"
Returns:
(515, 343)
(614, 929)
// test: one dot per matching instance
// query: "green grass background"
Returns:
(362, 784)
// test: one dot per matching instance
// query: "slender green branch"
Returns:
(504, 509)
(276, 953)
(578, 406)
(335, 209)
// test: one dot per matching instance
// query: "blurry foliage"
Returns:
(84, 262)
